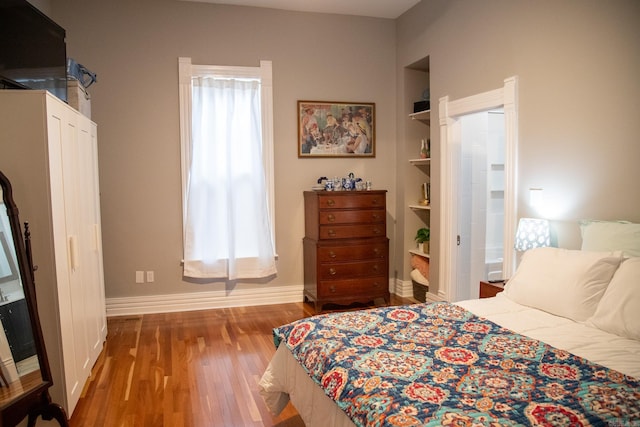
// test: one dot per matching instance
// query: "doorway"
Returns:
(478, 187)
(480, 201)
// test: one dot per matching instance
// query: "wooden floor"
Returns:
(188, 369)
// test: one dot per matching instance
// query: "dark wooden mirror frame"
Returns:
(35, 401)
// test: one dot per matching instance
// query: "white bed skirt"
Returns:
(286, 379)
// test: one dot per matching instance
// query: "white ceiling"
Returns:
(374, 8)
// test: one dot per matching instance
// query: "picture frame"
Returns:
(336, 129)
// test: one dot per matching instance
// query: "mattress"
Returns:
(285, 379)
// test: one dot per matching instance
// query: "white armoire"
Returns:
(49, 151)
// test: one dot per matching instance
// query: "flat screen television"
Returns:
(33, 53)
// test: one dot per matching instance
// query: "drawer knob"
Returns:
(376, 231)
(376, 284)
(331, 202)
(374, 202)
(375, 216)
(332, 254)
(332, 271)
(331, 233)
(331, 218)
(376, 268)
(376, 251)
(332, 289)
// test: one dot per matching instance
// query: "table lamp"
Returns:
(532, 233)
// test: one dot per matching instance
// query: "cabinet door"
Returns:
(93, 315)
(63, 161)
(17, 327)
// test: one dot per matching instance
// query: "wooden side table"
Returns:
(488, 290)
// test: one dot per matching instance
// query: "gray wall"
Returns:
(134, 47)
(43, 5)
(578, 63)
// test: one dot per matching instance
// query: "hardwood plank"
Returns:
(189, 369)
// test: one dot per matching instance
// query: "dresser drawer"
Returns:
(351, 200)
(352, 216)
(348, 270)
(352, 231)
(370, 286)
(352, 252)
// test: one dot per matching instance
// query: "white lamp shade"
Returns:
(532, 233)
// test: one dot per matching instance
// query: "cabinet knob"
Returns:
(375, 216)
(332, 289)
(332, 271)
(331, 202)
(332, 254)
(331, 233)
(331, 218)
(375, 201)
(376, 268)
(376, 284)
(376, 231)
(376, 251)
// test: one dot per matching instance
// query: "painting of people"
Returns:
(336, 129)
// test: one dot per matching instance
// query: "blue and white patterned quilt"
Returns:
(440, 365)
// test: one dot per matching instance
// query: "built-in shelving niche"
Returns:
(415, 170)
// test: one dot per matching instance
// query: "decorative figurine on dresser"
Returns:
(346, 249)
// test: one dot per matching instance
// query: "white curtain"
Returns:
(227, 231)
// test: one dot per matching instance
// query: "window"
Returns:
(227, 170)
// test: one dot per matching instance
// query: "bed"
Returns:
(560, 346)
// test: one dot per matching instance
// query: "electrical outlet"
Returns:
(139, 276)
(150, 276)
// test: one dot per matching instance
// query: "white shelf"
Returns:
(420, 161)
(420, 207)
(423, 116)
(424, 166)
(419, 253)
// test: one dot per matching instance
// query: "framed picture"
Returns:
(336, 129)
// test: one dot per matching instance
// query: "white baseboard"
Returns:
(222, 299)
(433, 297)
(402, 288)
(203, 300)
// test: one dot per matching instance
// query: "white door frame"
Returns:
(450, 113)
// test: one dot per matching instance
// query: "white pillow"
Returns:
(611, 236)
(619, 309)
(564, 282)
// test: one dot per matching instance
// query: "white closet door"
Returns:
(60, 139)
(101, 310)
(93, 286)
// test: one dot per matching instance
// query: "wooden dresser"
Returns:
(346, 249)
